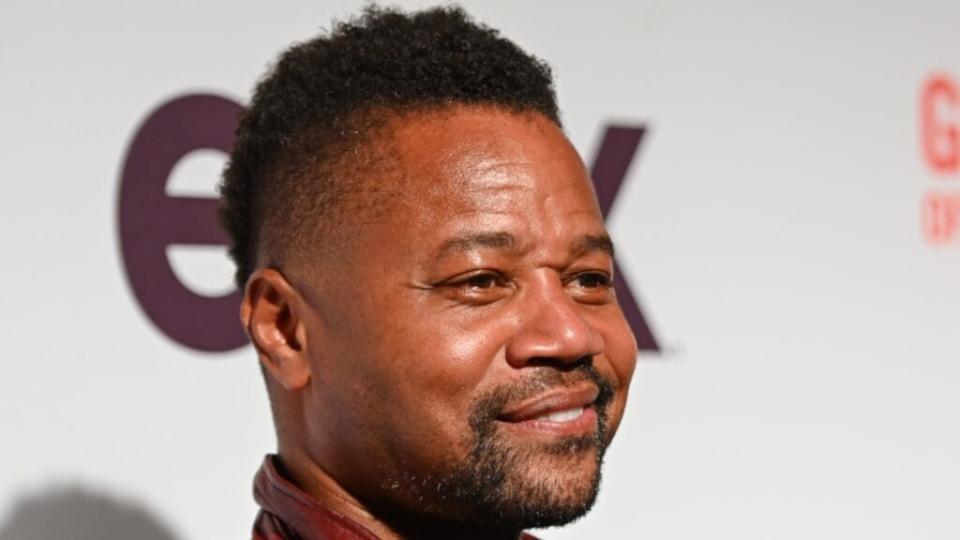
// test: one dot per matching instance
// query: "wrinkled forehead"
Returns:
(483, 156)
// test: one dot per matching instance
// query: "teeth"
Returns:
(563, 416)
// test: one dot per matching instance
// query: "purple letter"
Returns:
(609, 169)
(150, 220)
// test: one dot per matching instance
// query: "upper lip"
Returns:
(558, 399)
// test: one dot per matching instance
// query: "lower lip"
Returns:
(585, 423)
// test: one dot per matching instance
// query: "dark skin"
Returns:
(488, 265)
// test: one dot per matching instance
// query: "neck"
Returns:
(405, 524)
(386, 522)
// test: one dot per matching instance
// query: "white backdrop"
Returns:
(770, 226)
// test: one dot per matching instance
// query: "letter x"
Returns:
(619, 146)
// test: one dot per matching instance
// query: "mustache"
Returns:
(489, 406)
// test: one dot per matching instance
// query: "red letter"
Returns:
(940, 217)
(938, 136)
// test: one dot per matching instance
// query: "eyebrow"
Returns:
(496, 240)
(592, 242)
(505, 241)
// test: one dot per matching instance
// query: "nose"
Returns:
(553, 329)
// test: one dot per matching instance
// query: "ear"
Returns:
(272, 315)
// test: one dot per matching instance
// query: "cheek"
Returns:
(621, 348)
(445, 359)
(620, 355)
(428, 375)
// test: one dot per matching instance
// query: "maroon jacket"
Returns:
(286, 513)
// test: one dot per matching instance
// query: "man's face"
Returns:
(468, 358)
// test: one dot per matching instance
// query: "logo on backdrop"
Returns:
(150, 220)
(940, 148)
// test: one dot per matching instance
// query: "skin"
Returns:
(473, 277)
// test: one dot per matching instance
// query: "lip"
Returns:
(552, 401)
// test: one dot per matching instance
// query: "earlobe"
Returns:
(271, 315)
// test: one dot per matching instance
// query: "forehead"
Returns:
(423, 178)
(486, 159)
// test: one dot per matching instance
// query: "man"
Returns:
(427, 285)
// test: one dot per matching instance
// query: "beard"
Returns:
(506, 484)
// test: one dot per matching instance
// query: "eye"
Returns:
(593, 287)
(482, 281)
(481, 287)
(593, 280)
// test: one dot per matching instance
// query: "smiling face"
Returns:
(468, 359)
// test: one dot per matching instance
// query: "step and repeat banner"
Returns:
(782, 180)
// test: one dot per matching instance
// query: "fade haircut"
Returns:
(311, 114)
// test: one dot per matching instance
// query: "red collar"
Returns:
(288, 513)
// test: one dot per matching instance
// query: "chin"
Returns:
(554, 488)
(522, 486)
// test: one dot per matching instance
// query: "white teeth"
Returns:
(563, 416)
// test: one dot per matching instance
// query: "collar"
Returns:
(288, 513)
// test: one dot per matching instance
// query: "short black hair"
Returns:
(305, 112)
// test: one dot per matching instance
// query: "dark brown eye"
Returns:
(593, 280)
(482, 281)
(591, 287)
(481, 287)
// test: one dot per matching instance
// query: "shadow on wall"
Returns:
(79, 514)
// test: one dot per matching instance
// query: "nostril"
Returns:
(554, 332)
(563, 364)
